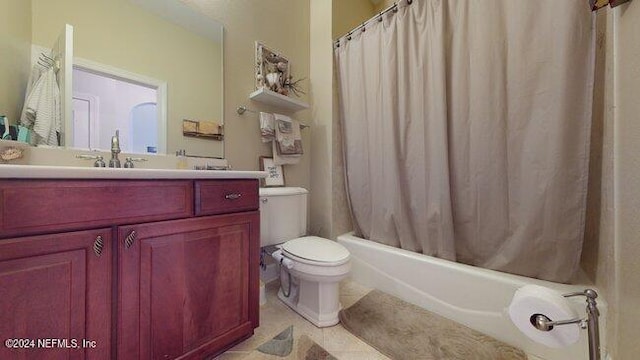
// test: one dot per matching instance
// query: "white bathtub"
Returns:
(475, 297)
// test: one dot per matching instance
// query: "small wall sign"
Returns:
(275, 176)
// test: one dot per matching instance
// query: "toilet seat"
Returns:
(317, 251)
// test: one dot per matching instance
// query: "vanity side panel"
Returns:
(29, 207)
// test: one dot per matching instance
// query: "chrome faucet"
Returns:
(98, 158)
(128, 164)
(115, 150)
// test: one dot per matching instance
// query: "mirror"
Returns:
(163, 58)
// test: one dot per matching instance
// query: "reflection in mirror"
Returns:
(103, 103)
(163, 40)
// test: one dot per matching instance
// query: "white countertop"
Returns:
(69, 172)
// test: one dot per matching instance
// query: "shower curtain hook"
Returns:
(380, 17)
(363, 27)
(409, 2)
(395, 7)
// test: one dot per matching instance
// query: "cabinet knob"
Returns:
(128, 241)
(233, 196)
(98, 245)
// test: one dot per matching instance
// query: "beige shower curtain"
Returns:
(466, 131)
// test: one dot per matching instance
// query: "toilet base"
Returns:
(316, 302)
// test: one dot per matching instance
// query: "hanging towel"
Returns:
(36, 72)
(287, 146)
(267, 127)
(42, 109)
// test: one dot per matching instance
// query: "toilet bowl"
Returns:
(316, 266)
(311, 267)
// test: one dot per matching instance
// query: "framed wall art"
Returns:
(272, 70)
(275, 173)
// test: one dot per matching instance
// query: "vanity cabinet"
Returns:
(176, 275)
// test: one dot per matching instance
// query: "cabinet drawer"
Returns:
(42, 206)
(226, 196)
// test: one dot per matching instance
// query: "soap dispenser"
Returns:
(182, 159)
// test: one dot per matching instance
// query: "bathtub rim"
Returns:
(514, 281)
(580, 284)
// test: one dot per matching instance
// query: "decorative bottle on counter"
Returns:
(182, 162)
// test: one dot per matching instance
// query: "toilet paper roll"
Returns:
(531, 300)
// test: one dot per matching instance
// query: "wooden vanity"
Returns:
(139, 269)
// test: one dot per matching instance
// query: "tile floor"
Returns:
(275, 316)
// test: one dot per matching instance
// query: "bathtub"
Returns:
(475, 297)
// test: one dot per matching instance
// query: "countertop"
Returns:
(69, 172)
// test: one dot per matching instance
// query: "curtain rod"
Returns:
(378, 17)
(394, 8)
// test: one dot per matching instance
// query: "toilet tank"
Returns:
(283, 214)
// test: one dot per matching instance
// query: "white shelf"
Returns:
(273, 98)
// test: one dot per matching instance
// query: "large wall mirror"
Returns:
(139, 66)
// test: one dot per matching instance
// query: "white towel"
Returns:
(288, 138)
(267, 127)
(34, 76)
(42, 109)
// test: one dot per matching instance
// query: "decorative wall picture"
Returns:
(273, 72)
(202, 129)
(275, 176)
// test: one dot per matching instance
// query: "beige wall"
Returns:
(627, 176)
(329, 212)
(15, 50)
(120, 34)
(383, 4)
(598, 251)
(612, 245)
(347, 14)
(321, 55)
(245, 22)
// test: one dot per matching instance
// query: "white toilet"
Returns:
(312, 266)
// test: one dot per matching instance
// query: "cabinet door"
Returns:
(56, 291)
(189, 287)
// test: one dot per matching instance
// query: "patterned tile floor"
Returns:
(275, 316)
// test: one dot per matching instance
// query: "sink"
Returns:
(61, 163)
(74, 172)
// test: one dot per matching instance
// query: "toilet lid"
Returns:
(316, 249)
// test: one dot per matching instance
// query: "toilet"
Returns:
(311, 267)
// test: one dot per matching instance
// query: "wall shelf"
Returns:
(218, 137)
(269, 97)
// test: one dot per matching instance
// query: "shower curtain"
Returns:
(466, 131)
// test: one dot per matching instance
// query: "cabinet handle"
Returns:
(98, 245)
(233, 196)
(128, 241)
